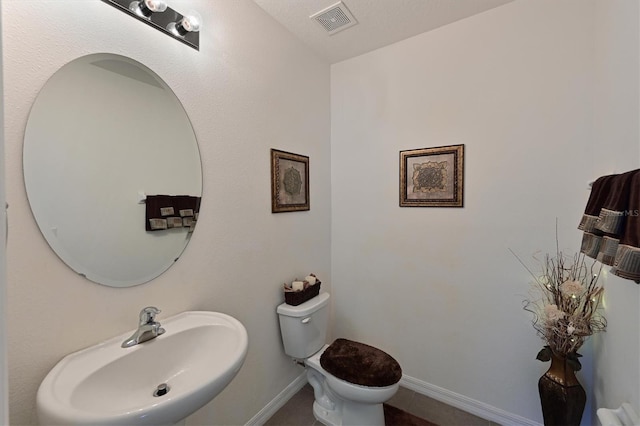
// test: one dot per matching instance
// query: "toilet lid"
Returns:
(360, 364)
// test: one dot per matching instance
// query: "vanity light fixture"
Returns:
(156, 13)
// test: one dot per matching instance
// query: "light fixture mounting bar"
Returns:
(160, 21)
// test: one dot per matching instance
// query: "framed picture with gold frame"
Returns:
(432, 177)
(289, 182)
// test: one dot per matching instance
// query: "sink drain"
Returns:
(162, 389)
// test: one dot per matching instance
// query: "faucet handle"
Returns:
(148, 315)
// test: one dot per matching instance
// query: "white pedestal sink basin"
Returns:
(197, 357)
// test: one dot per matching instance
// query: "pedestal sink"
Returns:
(196, 358)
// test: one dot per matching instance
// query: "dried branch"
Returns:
(565, 301)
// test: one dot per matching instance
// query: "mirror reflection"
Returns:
(104, 133)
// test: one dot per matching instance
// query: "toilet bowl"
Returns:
(349, 403)
(339, 399)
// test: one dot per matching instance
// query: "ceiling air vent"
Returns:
(335, 18)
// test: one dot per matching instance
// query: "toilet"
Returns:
(350, 380)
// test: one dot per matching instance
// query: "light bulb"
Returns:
(188, 24)
(145, 8)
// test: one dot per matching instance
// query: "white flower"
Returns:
(553, 313)
(572, 288)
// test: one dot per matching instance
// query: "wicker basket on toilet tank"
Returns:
(296, 298)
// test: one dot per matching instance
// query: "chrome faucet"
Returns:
(148, 329)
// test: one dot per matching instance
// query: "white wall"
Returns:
(251, 87)
(437, 287)
(617, 149)
(4, 391)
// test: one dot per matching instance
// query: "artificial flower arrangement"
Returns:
(565, 302)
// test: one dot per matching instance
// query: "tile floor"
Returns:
(299, 412)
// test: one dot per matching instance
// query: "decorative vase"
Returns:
(562, 396)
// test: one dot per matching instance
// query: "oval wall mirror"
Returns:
(104, 133)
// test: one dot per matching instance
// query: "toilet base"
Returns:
(324, 416)
(350, 414)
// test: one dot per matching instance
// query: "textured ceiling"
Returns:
(380, 22)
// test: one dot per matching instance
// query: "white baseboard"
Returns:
(465, 403)
(276, 403)
(448, 397)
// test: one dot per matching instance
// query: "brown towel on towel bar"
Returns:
(610, 218)
(592, 238)
(599, 192)
(627, 261)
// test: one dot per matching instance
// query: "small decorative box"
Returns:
(295, 298)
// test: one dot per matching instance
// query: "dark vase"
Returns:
(562, 397)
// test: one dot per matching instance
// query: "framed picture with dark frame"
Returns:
(289, 182)
(432, 177)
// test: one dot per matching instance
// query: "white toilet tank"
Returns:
(304, 327)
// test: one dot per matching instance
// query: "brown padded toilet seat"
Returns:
(360, 364)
